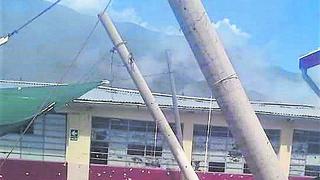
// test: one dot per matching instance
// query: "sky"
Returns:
(263, 39)
(284, 30)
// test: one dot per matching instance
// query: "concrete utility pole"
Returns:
(174, 98)
(231, 97)
(148, 98)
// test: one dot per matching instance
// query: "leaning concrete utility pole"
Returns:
(148, 98)
(225, 84)
(174, 98)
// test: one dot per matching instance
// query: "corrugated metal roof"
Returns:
(110, 95)
(132, 97)
(14, 84)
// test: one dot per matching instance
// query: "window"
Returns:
(153, 151)
(137, 126)
(151, 127)
(99, 152)
(221, 148)
(246, 169)
(119, 124)
(98, 122)
(199, 130)
(216, 166)
(305, 153)
(314, 148)
(134, 149)
(312, 171)
(99, 135)
(45, 140)
(129, 142)
(274, 137)
(21, 129)
(142, 150)
(219, 132)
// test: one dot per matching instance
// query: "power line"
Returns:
(5, 39)
(43, 109)
(144, 75)
(34, 18)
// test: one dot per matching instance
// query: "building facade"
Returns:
(108, 133)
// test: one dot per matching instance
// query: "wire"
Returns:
(144, 75)
(43, 109)
(34, 18)
(208, 132)
(47, 109)
(85, 77)
(111, 67)
(155, 141)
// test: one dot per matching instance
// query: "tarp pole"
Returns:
(174, 98)
(231, 97)
(148, 98)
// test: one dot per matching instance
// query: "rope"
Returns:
(42, 109)
(111, 67)
(47, 109)
(86, 42)
(34, 18)
(208, 132)
(85, 76)
(155, 141)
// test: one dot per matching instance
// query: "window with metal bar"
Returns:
(219, 146)
(312, 170)
(44, 140)
(305, 154)
(217, 166)
(99, 152)
(129, 143)
(246, 169)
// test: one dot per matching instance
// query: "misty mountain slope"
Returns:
(45, 49)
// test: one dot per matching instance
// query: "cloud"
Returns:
(225, 23)
(130, 15)
(84, 6)
(231, 34)
(93, 7)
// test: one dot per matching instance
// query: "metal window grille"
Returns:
(222, 148)
(246, 169)
(45, 140)
(216, 166)
(129, 143)
(305, 155)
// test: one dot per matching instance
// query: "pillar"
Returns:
(286, 138)
(78, 148)
(187, 138)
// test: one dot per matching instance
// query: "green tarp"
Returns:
(18, 105)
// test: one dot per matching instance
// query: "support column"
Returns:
(188, 138)
(145, 92)
(78, 147)
(286, 138)
(224, 82)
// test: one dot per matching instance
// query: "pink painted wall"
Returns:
(15, 169)
(101, 172)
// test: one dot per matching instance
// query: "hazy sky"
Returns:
(284, 29)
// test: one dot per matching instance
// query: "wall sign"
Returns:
(74, 134)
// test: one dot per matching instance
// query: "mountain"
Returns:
(44, 51)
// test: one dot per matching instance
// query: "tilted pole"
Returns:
(231, 97)
(174, 98)
(148, 98)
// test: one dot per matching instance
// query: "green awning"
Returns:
(18, 105)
